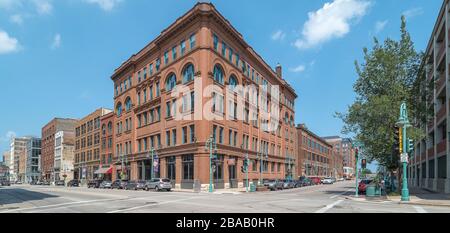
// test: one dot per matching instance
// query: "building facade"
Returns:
(107, 148)
(161, 99)
(348, 153)
(64, 155)
(429, 166)
(338, 157)
(315, 155)
(48, 144)
(32, 171)
(87, 145)
(18, 150)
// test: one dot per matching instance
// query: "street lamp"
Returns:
(210, 145)
(152, 154)
(403, 122)
(245, 167)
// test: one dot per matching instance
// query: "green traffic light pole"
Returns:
(152, 153)
(246, 163)
(404, 123)
(356, 173)
(209, 146)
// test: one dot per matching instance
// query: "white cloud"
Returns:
(413, 12)
(380, 25)
(331, 21)
(298, 69)
(106, 5)
(8, 44)
(9, 4)
(17, 19)
(278, 35)
(56, 42)
(43, 7)
(8, 136)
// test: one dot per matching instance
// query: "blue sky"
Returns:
(56, 56)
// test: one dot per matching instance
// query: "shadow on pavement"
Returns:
(17, 195)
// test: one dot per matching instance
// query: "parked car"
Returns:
(287, 184)
(18, 182)
(315, 180)
(327, 180)
(5, 183)
(106, 184)
(158, 184)
(119, 184)
(73, 183)
(135, 185)
(333, 179)
(94, 184)
(60, 183)
(273, 185)
(363, 185)
(304, 181)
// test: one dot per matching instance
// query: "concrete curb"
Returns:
(419, 203)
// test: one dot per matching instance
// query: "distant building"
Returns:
(315, 155)
(48, 144)
(107, 148)
(32, 171)
(338, 158)
(64, 155)
(87, 146)
(17, 153)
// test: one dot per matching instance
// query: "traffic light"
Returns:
(356, 152)
(410, 145)
(363, 163)
(396, 141)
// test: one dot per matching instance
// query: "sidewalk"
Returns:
(424, 197)
(219, 191)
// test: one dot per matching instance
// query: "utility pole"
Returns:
(404, 123)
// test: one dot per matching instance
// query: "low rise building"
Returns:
(64, 155)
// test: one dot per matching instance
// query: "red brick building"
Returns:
(202, 54)
(48, 143)
(107, 144)
(315, 155)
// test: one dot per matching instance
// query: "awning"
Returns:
(107, 170)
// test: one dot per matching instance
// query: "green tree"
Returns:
(388, 76)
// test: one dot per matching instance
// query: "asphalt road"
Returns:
(315, 199)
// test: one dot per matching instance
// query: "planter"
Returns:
(373, 191)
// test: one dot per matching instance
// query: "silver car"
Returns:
(158, 184)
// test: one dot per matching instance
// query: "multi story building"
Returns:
(429, 165)
(184, 88)
(48, 144)
(18, 147)
(315, 155)
(87, 145)
(64, 155)
(22, 165)
(107, 148)
(32, 171)
(338, 157)
(348, 153)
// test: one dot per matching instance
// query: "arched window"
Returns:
(128, 104)
(103, 129)
(171, 82)
(188, 73)
(233, 82)
(109, 127)
(218, 74)
(119, 109)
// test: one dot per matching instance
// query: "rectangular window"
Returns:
(145, 74)
(168, 138)
(237, 60)
(183, 47)
(230, 137)
(158, 64)
(216, 42)
(192, 101)
(214, 132)
(192, 128)
(184, 135)
(188, 167)
(174, 137)
(151, 69)
(168, 114)
(174, 106)
(145, 144)
(145, 95)
(139, 120)
(174, 53)
(221, 135)
(151, 92)
(158, 114)
(157, 89)
(235, 138)
(192, 41)
(224, 49)
(230, 55)
(166, 57)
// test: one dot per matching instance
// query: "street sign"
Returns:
(404, 158)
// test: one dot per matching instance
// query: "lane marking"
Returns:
(341, 193)
(56, 205)
(420, 209)
(328, 207)
(153, 204)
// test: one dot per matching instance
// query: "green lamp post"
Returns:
(404, 123)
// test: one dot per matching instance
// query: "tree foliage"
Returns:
(387, 77)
